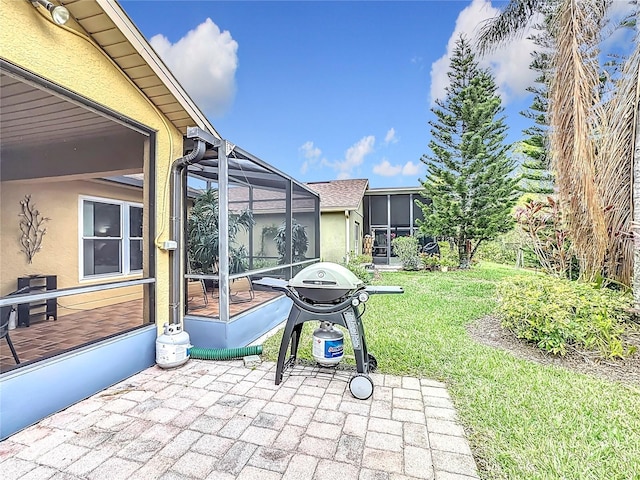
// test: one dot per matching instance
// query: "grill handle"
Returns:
(320, 309)
(283, 286)
(381, 289)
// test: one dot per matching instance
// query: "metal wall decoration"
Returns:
(31, 228)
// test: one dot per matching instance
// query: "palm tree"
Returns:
(590, 138)
(516, 16)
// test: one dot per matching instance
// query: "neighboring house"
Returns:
(350, 210)
(342, 222)
(389, 213)
(83, 103)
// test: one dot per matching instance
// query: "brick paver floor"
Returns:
(224, 421)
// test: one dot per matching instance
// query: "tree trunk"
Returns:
(636, 209)
(463, 253)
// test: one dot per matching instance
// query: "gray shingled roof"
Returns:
(340, 194)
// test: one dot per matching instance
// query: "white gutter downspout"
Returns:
(347, 232)
(177, 194)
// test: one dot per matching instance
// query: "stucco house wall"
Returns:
(332, 236)
(70, 59)
(59, 201)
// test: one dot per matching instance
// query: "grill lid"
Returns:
(326, 275)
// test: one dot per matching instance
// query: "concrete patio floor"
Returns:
(221, 420)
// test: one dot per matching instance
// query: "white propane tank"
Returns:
(328, 345)
(172, 347)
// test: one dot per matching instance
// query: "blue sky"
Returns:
(326, 90)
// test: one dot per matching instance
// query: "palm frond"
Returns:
(573, 98)
(615, 168)
(509, 24)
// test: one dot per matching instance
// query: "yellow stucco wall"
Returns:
(332, 236)
(58, 201)
(29, 40)
(333, 241)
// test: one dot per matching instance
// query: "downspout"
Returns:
(347, 236)
(178, 169)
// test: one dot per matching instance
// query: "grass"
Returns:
(524, 420)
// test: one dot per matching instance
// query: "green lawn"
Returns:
(524, 420)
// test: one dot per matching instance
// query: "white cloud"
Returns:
(311, 154)
(390, 137)
(385, 169)
(205, 61)
(354, 156)
(411, 169)
(509, 63)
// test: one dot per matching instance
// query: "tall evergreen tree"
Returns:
(469, 183)
(535, 173)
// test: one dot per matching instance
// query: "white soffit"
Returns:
(110, 27)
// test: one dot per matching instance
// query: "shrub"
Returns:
(498, 251)
(558, 314)
(448, 256)
(406, 248)
(430, 262)
(360, 271)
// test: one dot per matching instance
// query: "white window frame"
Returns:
(125, 237)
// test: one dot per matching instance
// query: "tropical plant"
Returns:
(592, 134)
(469, 187)
(299, 242)
(203, 235)
(544, 227)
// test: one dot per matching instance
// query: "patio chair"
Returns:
(5, 316)
(196, 287)
(241, 290)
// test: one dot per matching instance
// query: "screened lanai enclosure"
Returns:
(390, 213)
(242, 220)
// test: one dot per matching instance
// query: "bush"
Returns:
(406, 248)
(558, 314)
(448, 256)
(360, 271)
(497, 251)
(357, 265)
(430, 262)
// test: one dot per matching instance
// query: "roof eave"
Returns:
(119, 17)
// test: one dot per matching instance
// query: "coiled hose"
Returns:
(224, 353)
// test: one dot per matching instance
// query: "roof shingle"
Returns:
(340, 194)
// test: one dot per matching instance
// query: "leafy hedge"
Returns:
(559, 314)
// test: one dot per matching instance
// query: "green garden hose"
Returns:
(224, 353)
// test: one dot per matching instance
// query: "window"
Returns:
(111, 237)
(400, 210)
(378, 209)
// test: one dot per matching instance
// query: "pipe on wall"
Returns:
(177, 190)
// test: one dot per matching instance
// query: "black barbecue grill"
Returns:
(328, 292)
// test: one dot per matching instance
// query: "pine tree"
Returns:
(469, 185)
(535, 173)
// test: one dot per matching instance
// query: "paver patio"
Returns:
(221, 420)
